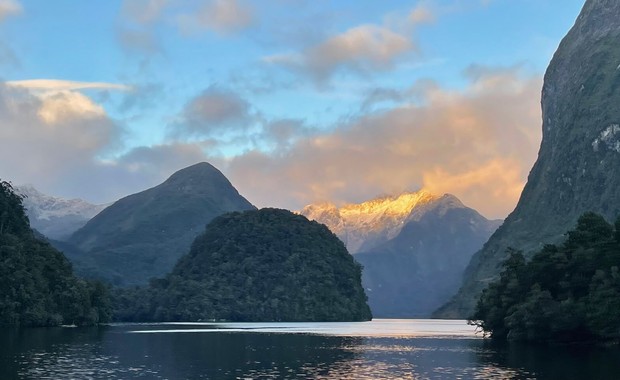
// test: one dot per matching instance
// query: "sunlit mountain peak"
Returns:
(362, 225)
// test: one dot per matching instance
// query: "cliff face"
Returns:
(578, 166)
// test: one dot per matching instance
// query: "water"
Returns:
(381, 349)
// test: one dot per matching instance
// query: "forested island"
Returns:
(565, 293)
(264, 265)
(37, 285)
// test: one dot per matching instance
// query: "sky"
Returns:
(295, 101)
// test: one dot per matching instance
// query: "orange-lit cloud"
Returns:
(363, 48)
(478, 144)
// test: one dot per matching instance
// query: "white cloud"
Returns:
(51, 136)
(65, 85)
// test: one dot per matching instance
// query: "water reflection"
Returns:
(382, 350)
(554, 362)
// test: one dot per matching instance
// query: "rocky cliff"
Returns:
(578, 165)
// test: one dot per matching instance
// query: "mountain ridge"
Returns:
(577, 165)
(364, 225)
(413, 246)
(56, 217)
(142, 235)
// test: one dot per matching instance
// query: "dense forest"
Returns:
(37, 285)
(565, 293)
(265, 265)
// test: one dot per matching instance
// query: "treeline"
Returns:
(566, 293)
(37, 285)
(264, 265)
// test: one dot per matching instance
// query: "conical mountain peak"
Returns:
(153, 228)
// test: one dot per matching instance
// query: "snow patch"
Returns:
(45, 207)
(610, 137)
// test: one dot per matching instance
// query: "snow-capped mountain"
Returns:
(414, 247)
(365, 225)
(55, 217)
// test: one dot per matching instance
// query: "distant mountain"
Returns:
(414, 247)
(56, 218)
(578, 165)
(364, 226)
(142, 236)
(265, 265)
(414, 273)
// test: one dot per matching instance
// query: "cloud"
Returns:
(478, 143)
(215, 110)
(59, 142)
(281, 134)
(362, 49)
(421, 14)
(221, 16)
(136, 170)
(142, 23)
(136, 29)
(8, 56)
(65, 85)
(9, 8)
(142, 97)
(139, 40)
(51, 135)
(143, 11)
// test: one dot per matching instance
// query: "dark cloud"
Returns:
(214, 111)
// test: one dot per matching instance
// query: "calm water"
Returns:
(381, 349)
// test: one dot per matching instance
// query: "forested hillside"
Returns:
(265, 265)
(37, 285)
(569, 292)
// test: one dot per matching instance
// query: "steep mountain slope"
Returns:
(142, 235)
(578, 166)
(418, 270)
(54, 217)
(364, 226)
(265, 265)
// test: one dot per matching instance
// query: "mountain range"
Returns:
(55, 217)
(578, 163)
(414, 247)
(365, 225)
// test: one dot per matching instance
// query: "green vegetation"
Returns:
(37, 285)
(577, 166)
(564, 293)
(265, 265)
(143, 235)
